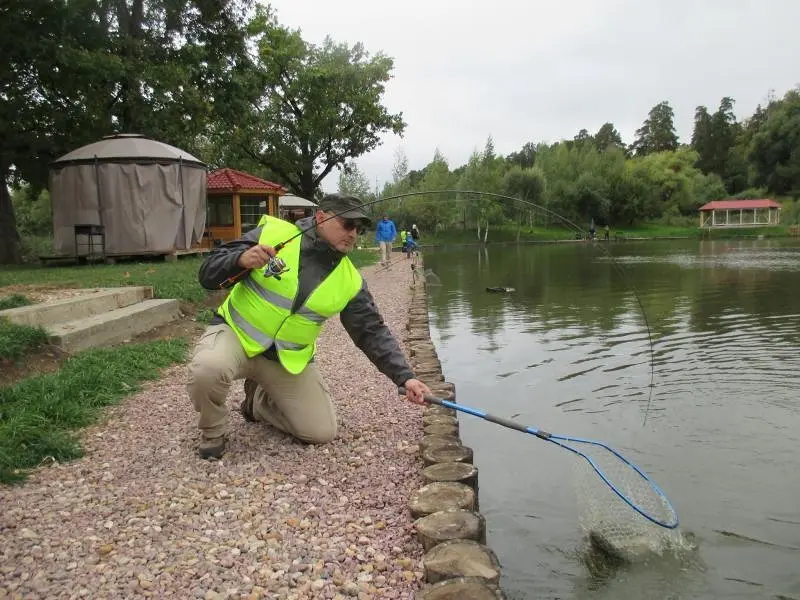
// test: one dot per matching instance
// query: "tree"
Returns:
(775, 148)
(527, 185)
(488, 150)
(525, 158)
(657, 134)
(400, 167)
(582, 138)
(608, 137)
(31, 124)
(713, 139)
(319, 106)
(352, 182)
(73, 71)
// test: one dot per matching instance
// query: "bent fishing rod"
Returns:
(276, 266)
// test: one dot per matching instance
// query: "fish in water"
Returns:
(632, 550)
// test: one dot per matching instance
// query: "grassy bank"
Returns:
(650, 231)
(39, 415)
(169, 279)
(18, 340)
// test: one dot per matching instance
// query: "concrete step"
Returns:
(114, 326)
(78, 307)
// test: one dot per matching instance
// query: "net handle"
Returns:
(562, 442)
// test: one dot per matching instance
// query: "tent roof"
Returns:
(739, 204)
(292, 201)
(132, 147)
(232, 180)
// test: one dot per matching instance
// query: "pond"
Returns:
(715, 324)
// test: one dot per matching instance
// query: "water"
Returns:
(569, 353)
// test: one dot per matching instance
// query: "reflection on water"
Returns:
(569, 352)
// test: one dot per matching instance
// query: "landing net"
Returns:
(610, 524)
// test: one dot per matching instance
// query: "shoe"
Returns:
(246, 407)
(212, 447)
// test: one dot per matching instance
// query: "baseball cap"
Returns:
(348, 207)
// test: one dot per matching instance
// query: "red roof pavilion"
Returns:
(740, 204)
(231, 180)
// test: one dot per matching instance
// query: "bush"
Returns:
(34, 246)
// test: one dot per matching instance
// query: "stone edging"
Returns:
(457, 562)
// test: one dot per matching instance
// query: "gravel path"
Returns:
(141, 516)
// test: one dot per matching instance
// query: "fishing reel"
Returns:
(275, 267)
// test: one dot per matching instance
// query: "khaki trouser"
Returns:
(296, 404)
(386, 251)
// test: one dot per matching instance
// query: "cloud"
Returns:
(530, 70)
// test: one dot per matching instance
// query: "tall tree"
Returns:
(608, 137)
(775, 148)
(582, 138)
(319, 107)
(703, 139)
(657, 134)
(488, 150)
(400, 166)
(352, 182)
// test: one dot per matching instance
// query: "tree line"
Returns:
(598, 177)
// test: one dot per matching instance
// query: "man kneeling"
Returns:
(265, 331)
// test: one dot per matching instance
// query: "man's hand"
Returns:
(416, 390)
(256, 257)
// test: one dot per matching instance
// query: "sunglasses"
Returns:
(351, 224)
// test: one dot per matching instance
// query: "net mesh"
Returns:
(610, 525)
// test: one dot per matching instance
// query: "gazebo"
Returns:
(292, 208)
(236, 201)
(740, 213)
(126, 195)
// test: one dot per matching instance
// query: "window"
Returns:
(219, 211)
(252, 208)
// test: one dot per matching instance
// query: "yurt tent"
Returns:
(144, 196)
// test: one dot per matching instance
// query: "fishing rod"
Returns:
(275, 266)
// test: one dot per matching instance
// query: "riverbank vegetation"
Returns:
(655, 185)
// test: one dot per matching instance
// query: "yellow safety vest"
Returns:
(259, 309)
(403, 237)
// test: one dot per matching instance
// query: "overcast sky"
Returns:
(531, 70)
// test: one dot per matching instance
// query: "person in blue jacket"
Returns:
(385, 234)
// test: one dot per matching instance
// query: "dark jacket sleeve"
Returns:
(365, 325)
(221, 263)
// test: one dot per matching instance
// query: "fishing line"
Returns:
(272, 268)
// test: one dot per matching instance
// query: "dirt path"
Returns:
(142, 516)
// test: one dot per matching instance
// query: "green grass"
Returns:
(14, 301)
(364, 258)
(169, 279)
(39, 416)
(205, 316)
(18, 340)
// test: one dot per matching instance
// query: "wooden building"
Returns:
(740, 213)
(236, 201)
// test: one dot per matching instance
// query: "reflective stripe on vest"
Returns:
(282, 301)
(259, 309)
